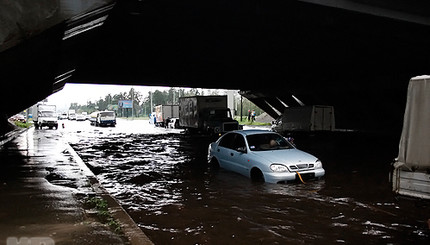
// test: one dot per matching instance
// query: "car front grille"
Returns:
(301, 166)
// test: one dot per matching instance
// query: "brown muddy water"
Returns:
(163, 181)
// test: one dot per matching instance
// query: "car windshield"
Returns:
(267, 142)
(107, 114)
(219, 114)
(47, 114)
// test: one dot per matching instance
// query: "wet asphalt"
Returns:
(43, 191)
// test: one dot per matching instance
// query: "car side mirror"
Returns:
(291, 140)
(241, 149)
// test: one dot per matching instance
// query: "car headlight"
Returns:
(278, 168)
(318, 163)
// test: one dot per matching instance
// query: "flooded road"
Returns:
(163, 181)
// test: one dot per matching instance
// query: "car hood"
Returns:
(289, 156)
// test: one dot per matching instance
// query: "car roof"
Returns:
(247, 132)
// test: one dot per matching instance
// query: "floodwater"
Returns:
(162, 179)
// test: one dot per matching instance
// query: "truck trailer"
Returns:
(163, 113)
(207, 114)
(306, 118)
(411, 173)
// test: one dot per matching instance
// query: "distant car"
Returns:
(173, 123)
(263, 156)
(86, 116)
(72, 116)
(80, 117)
(18, 117)
(62, 116)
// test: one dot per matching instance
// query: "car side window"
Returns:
(233, 141)
(227, 140)
(238, 142)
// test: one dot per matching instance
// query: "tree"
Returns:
(247, 106)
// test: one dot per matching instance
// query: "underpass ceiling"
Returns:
(320, 54)
(247, 45)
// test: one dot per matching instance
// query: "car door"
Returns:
(230, 157)
(239, 155)
(223, 152)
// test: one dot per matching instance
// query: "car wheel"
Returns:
(214, 164)
(257, 175)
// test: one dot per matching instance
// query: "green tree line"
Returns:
(142, 103)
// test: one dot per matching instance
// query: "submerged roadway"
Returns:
(162, 179)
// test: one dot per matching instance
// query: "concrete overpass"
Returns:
(356, 55)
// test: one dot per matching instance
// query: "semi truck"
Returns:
(45, 116)
(163, 113)
(103, 118)
(306, 118)
(411, 168)
(206, 114)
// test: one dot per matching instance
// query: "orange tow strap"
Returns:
(300, 177)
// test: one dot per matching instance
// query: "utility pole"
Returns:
(173, 100)
(150, 109)
(241, 105)
(132, 103)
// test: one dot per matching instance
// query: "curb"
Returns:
(11, 135)
(131, 230)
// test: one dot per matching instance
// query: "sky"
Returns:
(82, 93)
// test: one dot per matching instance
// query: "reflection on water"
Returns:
(165, 184)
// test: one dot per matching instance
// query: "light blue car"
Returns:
(263, 156)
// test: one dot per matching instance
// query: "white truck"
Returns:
(71, 115)
(103, 118)
(411, 173)
(207, 114)
(306, 118)
(45, 116)
(163, 113)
